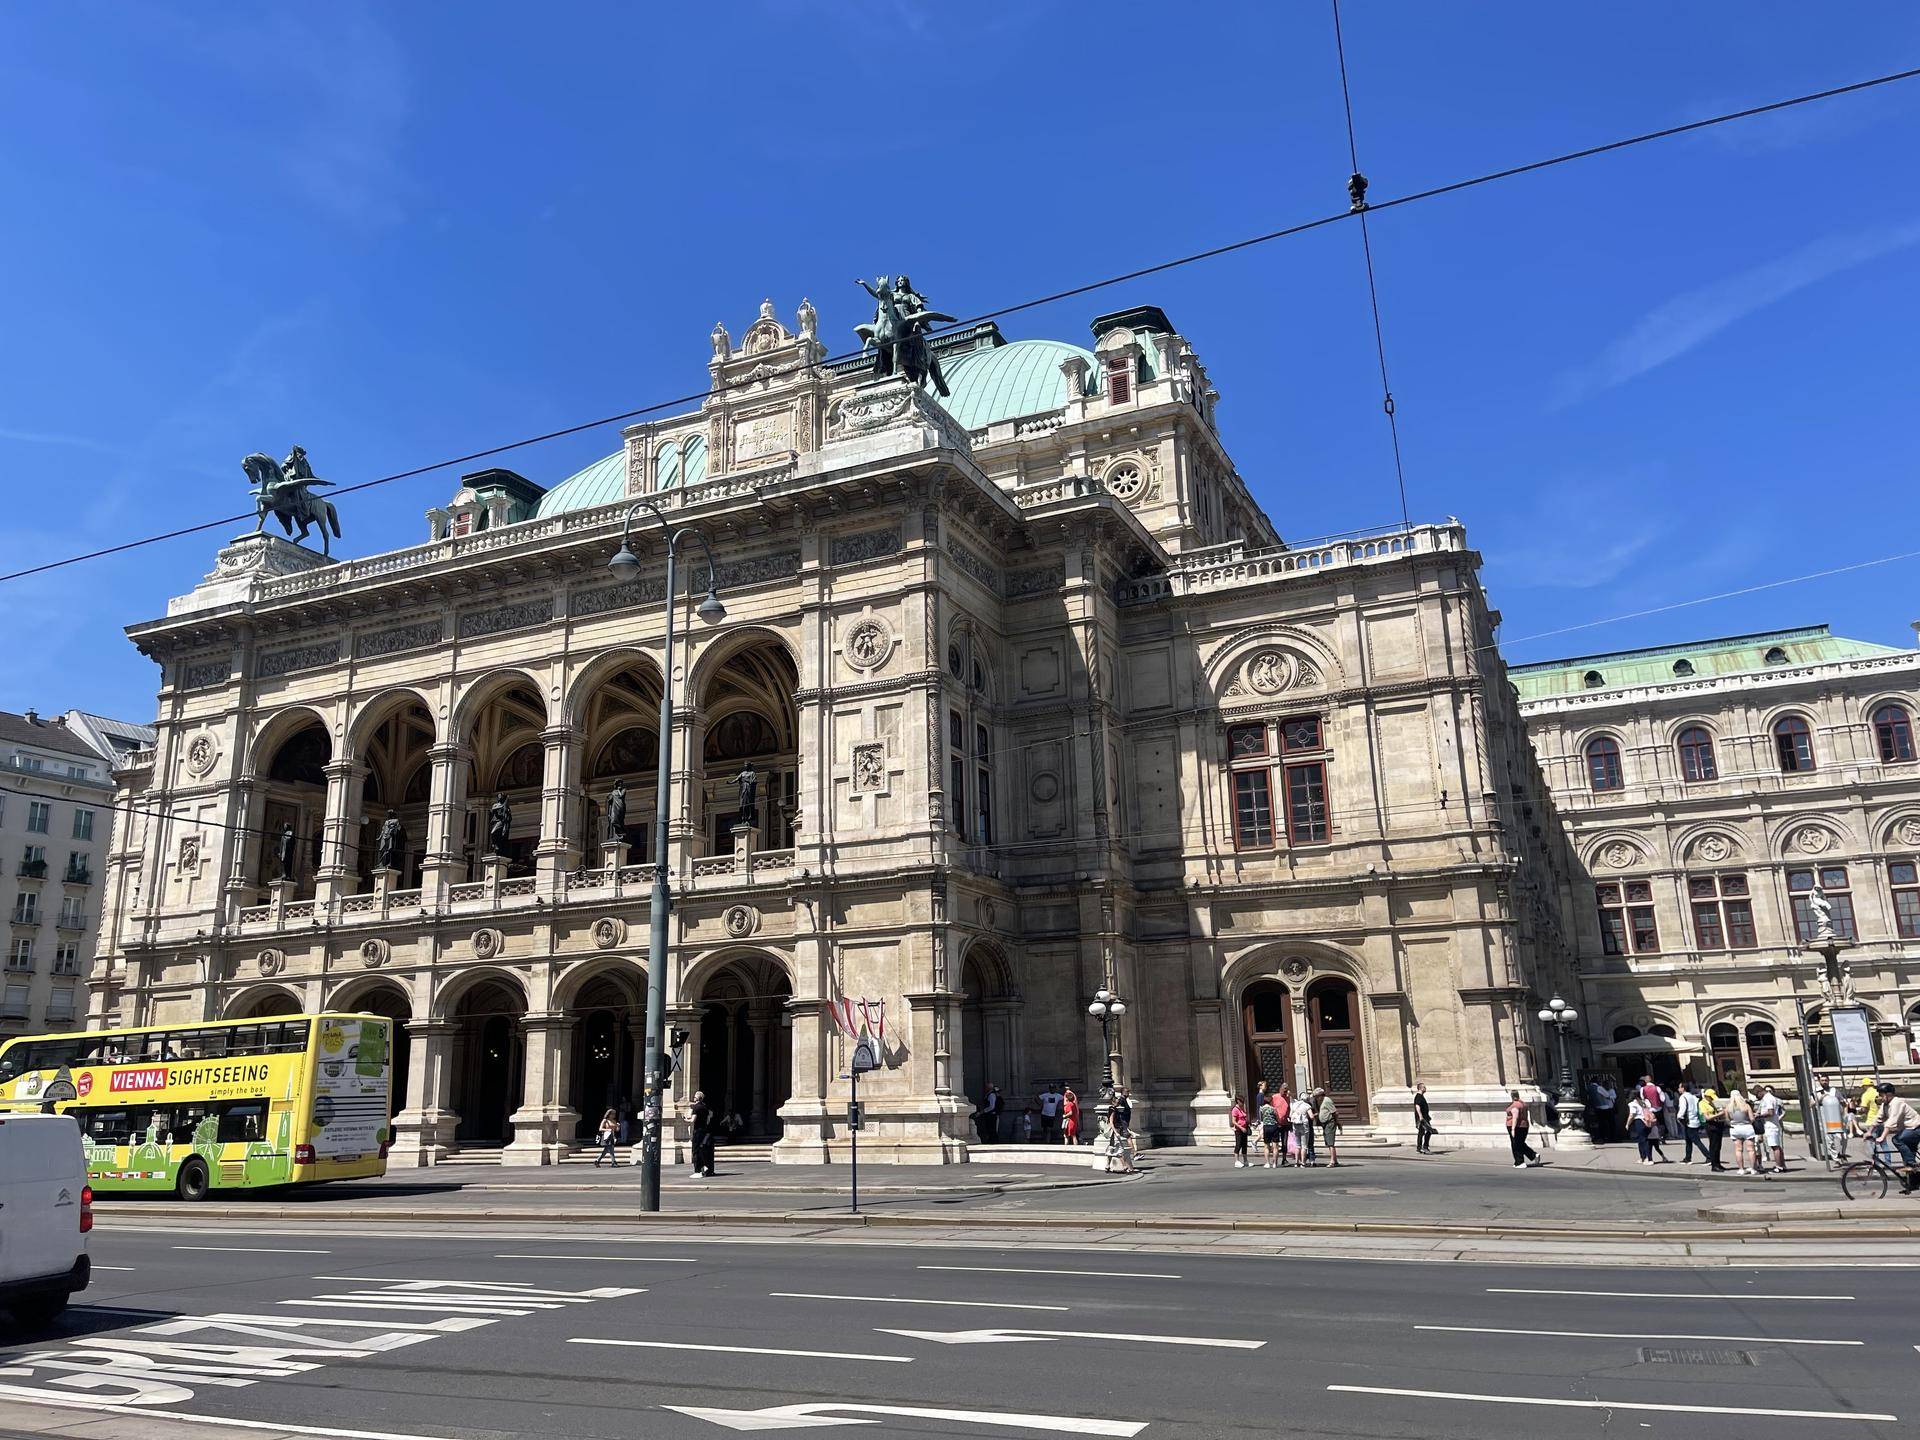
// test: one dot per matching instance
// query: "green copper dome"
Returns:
(1009, 381)
(601, 483)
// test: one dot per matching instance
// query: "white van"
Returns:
(46, 1210)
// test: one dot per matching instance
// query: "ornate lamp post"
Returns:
(625, 564)
(1107, 1007)
(1572, 1130)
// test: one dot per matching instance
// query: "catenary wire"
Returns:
(1160, 267)
(1357, 190)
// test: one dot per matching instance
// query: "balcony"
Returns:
(71, 920)
(29, 919)
(32, 870)
(77, 875)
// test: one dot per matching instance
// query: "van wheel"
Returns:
(193, 1183)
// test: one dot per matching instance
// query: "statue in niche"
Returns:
(284, 851)
(749, 783)
(617, 812)
(390, 848)
(898, 332)
(499, 825)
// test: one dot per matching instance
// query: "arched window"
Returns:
(1763, 1049)
(1683, 668)
(1893, 732)
(1624, 1033)
(1723, 1041)
(666, 467)
(1696, 754)
(1775, 655)
(1793, 743)
(1603, 763)
(1593, 680)
(694, 470)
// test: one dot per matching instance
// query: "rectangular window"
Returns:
(983, 816)
(1299, 735)
(25, 908)
(1904, 877)
(1252, 810)
(39, 813)
(1307, 803)
(1722, 912)
(66, 958)
(957, 800)
(956, 730)
(1246, 740)
(1626, 917)
(1119, 384)
(83, 824)
(60, 1003)
(1832, 880)
(16, 1002)
(22, 956)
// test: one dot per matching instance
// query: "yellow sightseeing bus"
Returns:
(224, 1105)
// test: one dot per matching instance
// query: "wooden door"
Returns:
(1266, 1024)
(1339, 1063)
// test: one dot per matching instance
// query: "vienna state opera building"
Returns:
(1032, 701)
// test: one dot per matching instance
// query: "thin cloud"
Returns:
(76, 442)
(1692, 319)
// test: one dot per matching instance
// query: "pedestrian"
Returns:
(1518, 1123)
(1831, 1106)
(702, 1116)
(1606, 1100)
(1740, 1127)
(1691, 1124)
(1669, 1114)
(1237, 1118)
(1123, 1122)
(1283, 1103)
(1070, 1116)
(987, 1118)
(1300, 1121)
(1026, 1126)
(1713, 1120)
(1050, 1099)
(1896, 1121)
(1422, 1121)
(1328, 1114)
(1770, 1112)
(1643, 1127)
(609, 1136)
(1270, 1130)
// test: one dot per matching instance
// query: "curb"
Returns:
(1745, 1228)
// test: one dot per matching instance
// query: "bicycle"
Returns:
(1869, 1179)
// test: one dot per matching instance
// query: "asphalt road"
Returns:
(574, 1331)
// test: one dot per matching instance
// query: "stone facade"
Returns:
(1706, 788)
(1038, 704)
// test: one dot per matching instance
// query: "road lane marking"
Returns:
(1634, 1338)
(323, 1303)
(745, 1350)
(1658, 1294)
(127, 1268)
(898, 1300)
(637, 1259)
(145, 1412)
(1021, 1337)
(1023, 1270)
(251, 1250)
(802, 1417)
(1611, 1404)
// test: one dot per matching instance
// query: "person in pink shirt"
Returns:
(1237, 1118)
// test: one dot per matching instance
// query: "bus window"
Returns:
(42, 1055)
(108, 1127)
(243, 1121)
(289, 1037)
(243, 1040)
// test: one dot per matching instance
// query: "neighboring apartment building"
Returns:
(56, 812)
(1036, 703)
(1707, 789)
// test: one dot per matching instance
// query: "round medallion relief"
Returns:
(1045, 786)
(375, 952)
(203, 753)
(270, 962)
(608, 931)
(487, 943)
(1713, 848)
(1125, 479)
(1812, 840)
(1295, 970)
(740, 920)
(867, 642)
(1618, 855)
(1907, 832)
(1267, 672)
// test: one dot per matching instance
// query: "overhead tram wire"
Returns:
(1054, 297)
(1357, 196)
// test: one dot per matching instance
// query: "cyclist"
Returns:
(1899, 1122)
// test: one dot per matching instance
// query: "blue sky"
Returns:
(395, 234)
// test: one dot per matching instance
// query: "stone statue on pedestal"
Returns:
(284, 851)
(898, 332)
(617, 812)
(391, 846)
(749, 784)
(499, 825)
(1821, 909)
(283, 491)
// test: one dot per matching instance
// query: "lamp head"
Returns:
(711, 610)
(1569, 1015)
(624, 562)
(1547, 1015)
(1102, 996)
(1117, 1007)
(1097, 1009)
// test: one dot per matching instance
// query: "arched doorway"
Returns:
(606, 1012)
(620, 728)
(263, 1003)
(1266, 1025)
(751, 725)
(746, 1046)
(390, 1001)
(1339, 1059)
(989, 1030)
(509, 761)
(294, 796)
(489, 1056)
(398, 782)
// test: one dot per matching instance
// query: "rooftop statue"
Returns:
(283, 490)
(897, 335)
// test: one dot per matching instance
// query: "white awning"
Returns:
(1650, 1045)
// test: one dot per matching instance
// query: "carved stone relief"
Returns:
(867, 545)
(203, 753)
(1812, 840)
(1619, 855)
(270, 962)
(870, 767)
(867, 642)
(399, 638)
(301, 657)
(609, 931)
(497, 620)
(487, 944)
(375, 952)
(740, 921)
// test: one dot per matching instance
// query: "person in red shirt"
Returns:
(1518, 1123)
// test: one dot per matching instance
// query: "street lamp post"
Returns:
(1107, 1007)
(1572, 1130)
(626, 564)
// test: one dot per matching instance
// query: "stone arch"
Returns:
(1614, 851)
(628, 972)
(992, 1048)
(1899, 828)
(487, 1051)
(742, 1054)
(258, 1001)
(481, 691)
(613, 708)
(275, 731)
(743, 695)
(1864, 708)
(287, 765)
(369, 714)
(1223, 669)
(1336, 1042)
(702, 969)
(384, 995)
(1688, 843)
(454, 991)
(501, 722)
(1712, 724)
(606, 665)
(713, 649)
(1787, 838)
(390, 742)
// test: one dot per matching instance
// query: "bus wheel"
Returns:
(193, 1183)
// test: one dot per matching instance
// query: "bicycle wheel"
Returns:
(1864, 1180)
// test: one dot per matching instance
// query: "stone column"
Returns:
(543, 1126)
(757, 1026)
(803, 1117)
(559, 848)
(444, 863)
(686, 819)
(423, 1131)
(340, 831)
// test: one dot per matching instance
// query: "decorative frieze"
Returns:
(499, 619)
(760, 569)
(371, 644)
(300, 657)
(974, 565)
(1041, 580)
(204, 674)
(866, 545)
(603, 598)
